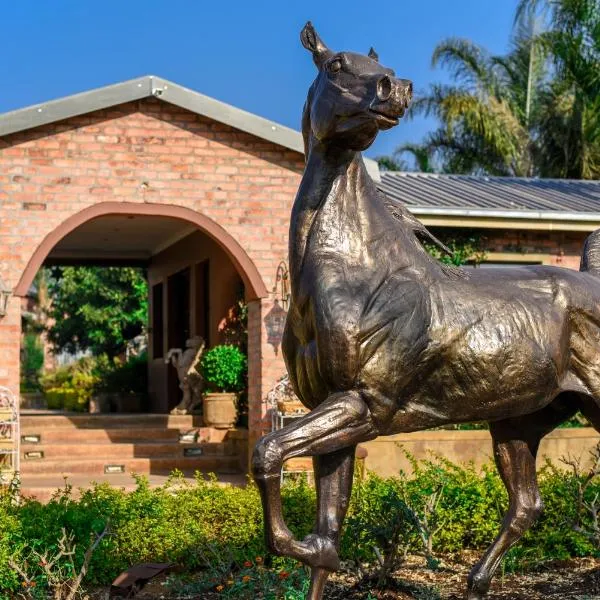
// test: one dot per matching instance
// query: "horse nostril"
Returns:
(384, 88)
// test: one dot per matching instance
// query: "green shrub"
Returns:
(70, 387)
(224, 369)
(192, 523)
(122, 377)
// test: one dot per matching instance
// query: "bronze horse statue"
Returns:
(381, 338)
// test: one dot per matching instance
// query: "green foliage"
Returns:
(32, 362)
(533, 111)
(466, 246)
(233, 328)
(122, 377)
(224, 369)
(217, 531)
(96, 308)
(72, 386)
(245, 581)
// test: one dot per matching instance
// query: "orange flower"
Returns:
(284, 575)
(219, 588)
(258, 560)
(247, 564)
(246, 578)
(32, 584)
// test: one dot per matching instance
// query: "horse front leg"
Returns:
(333, 477)
(340, 422)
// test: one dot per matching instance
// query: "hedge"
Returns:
(179, 521)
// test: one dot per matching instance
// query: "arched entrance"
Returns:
(255, 287)
(195, 271)
(186, 253)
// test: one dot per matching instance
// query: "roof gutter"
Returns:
(547, 215)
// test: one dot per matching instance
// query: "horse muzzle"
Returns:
(391, 101)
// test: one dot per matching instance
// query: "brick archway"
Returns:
(255, 286)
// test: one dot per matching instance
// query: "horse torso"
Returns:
(371, 311)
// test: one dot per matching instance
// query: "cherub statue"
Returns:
(190, 381)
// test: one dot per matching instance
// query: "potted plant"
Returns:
(223, 369)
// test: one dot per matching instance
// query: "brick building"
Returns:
(149, 173)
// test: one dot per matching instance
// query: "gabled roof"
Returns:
(428, 194)
(167, 91)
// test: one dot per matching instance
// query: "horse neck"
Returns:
(335, 181)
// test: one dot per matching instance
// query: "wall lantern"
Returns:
(275, 318)
(282, 285)
(5, 294)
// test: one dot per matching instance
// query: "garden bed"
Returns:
(574, 579)
(214, 535)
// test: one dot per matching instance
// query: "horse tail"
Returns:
(590, 258)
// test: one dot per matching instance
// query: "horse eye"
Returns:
(335, 66)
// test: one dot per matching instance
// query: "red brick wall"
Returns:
(150, 151)
(561, 248)
(146, 151)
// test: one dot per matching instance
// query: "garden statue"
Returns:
(381, 338)
(190, 381)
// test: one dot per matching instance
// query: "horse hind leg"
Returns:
(333, 478)
(516, 443)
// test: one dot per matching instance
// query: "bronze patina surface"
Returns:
(381, 338)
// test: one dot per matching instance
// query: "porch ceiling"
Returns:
(119, 238)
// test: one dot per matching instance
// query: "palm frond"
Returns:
(467, 62)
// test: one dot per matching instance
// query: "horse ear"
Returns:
(313, 43)
(373, 54)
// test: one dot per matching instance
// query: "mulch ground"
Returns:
(577, 579)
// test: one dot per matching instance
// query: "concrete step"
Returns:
(139, 449)
(58, 435)
(43, 487)
(150, 465)
(50, 419)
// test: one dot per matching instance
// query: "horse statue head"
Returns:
(352, 98)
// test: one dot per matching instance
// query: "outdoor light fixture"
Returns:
(282, 278)
(275, 324)
(5, 294)
(275, 318)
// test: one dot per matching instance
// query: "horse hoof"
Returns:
(322, 554)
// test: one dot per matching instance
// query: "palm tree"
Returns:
(568, 129)
(485, 116)
(533, 111)
(422, 156)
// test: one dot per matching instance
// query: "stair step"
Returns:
(138, 449)
(59, 435)
(44, 420)
(154, 465)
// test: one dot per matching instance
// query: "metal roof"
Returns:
(167, 91)
(483, 196)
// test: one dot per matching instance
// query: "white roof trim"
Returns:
(552, 215)
(144, 87)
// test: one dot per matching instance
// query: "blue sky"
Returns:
(246, 53)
